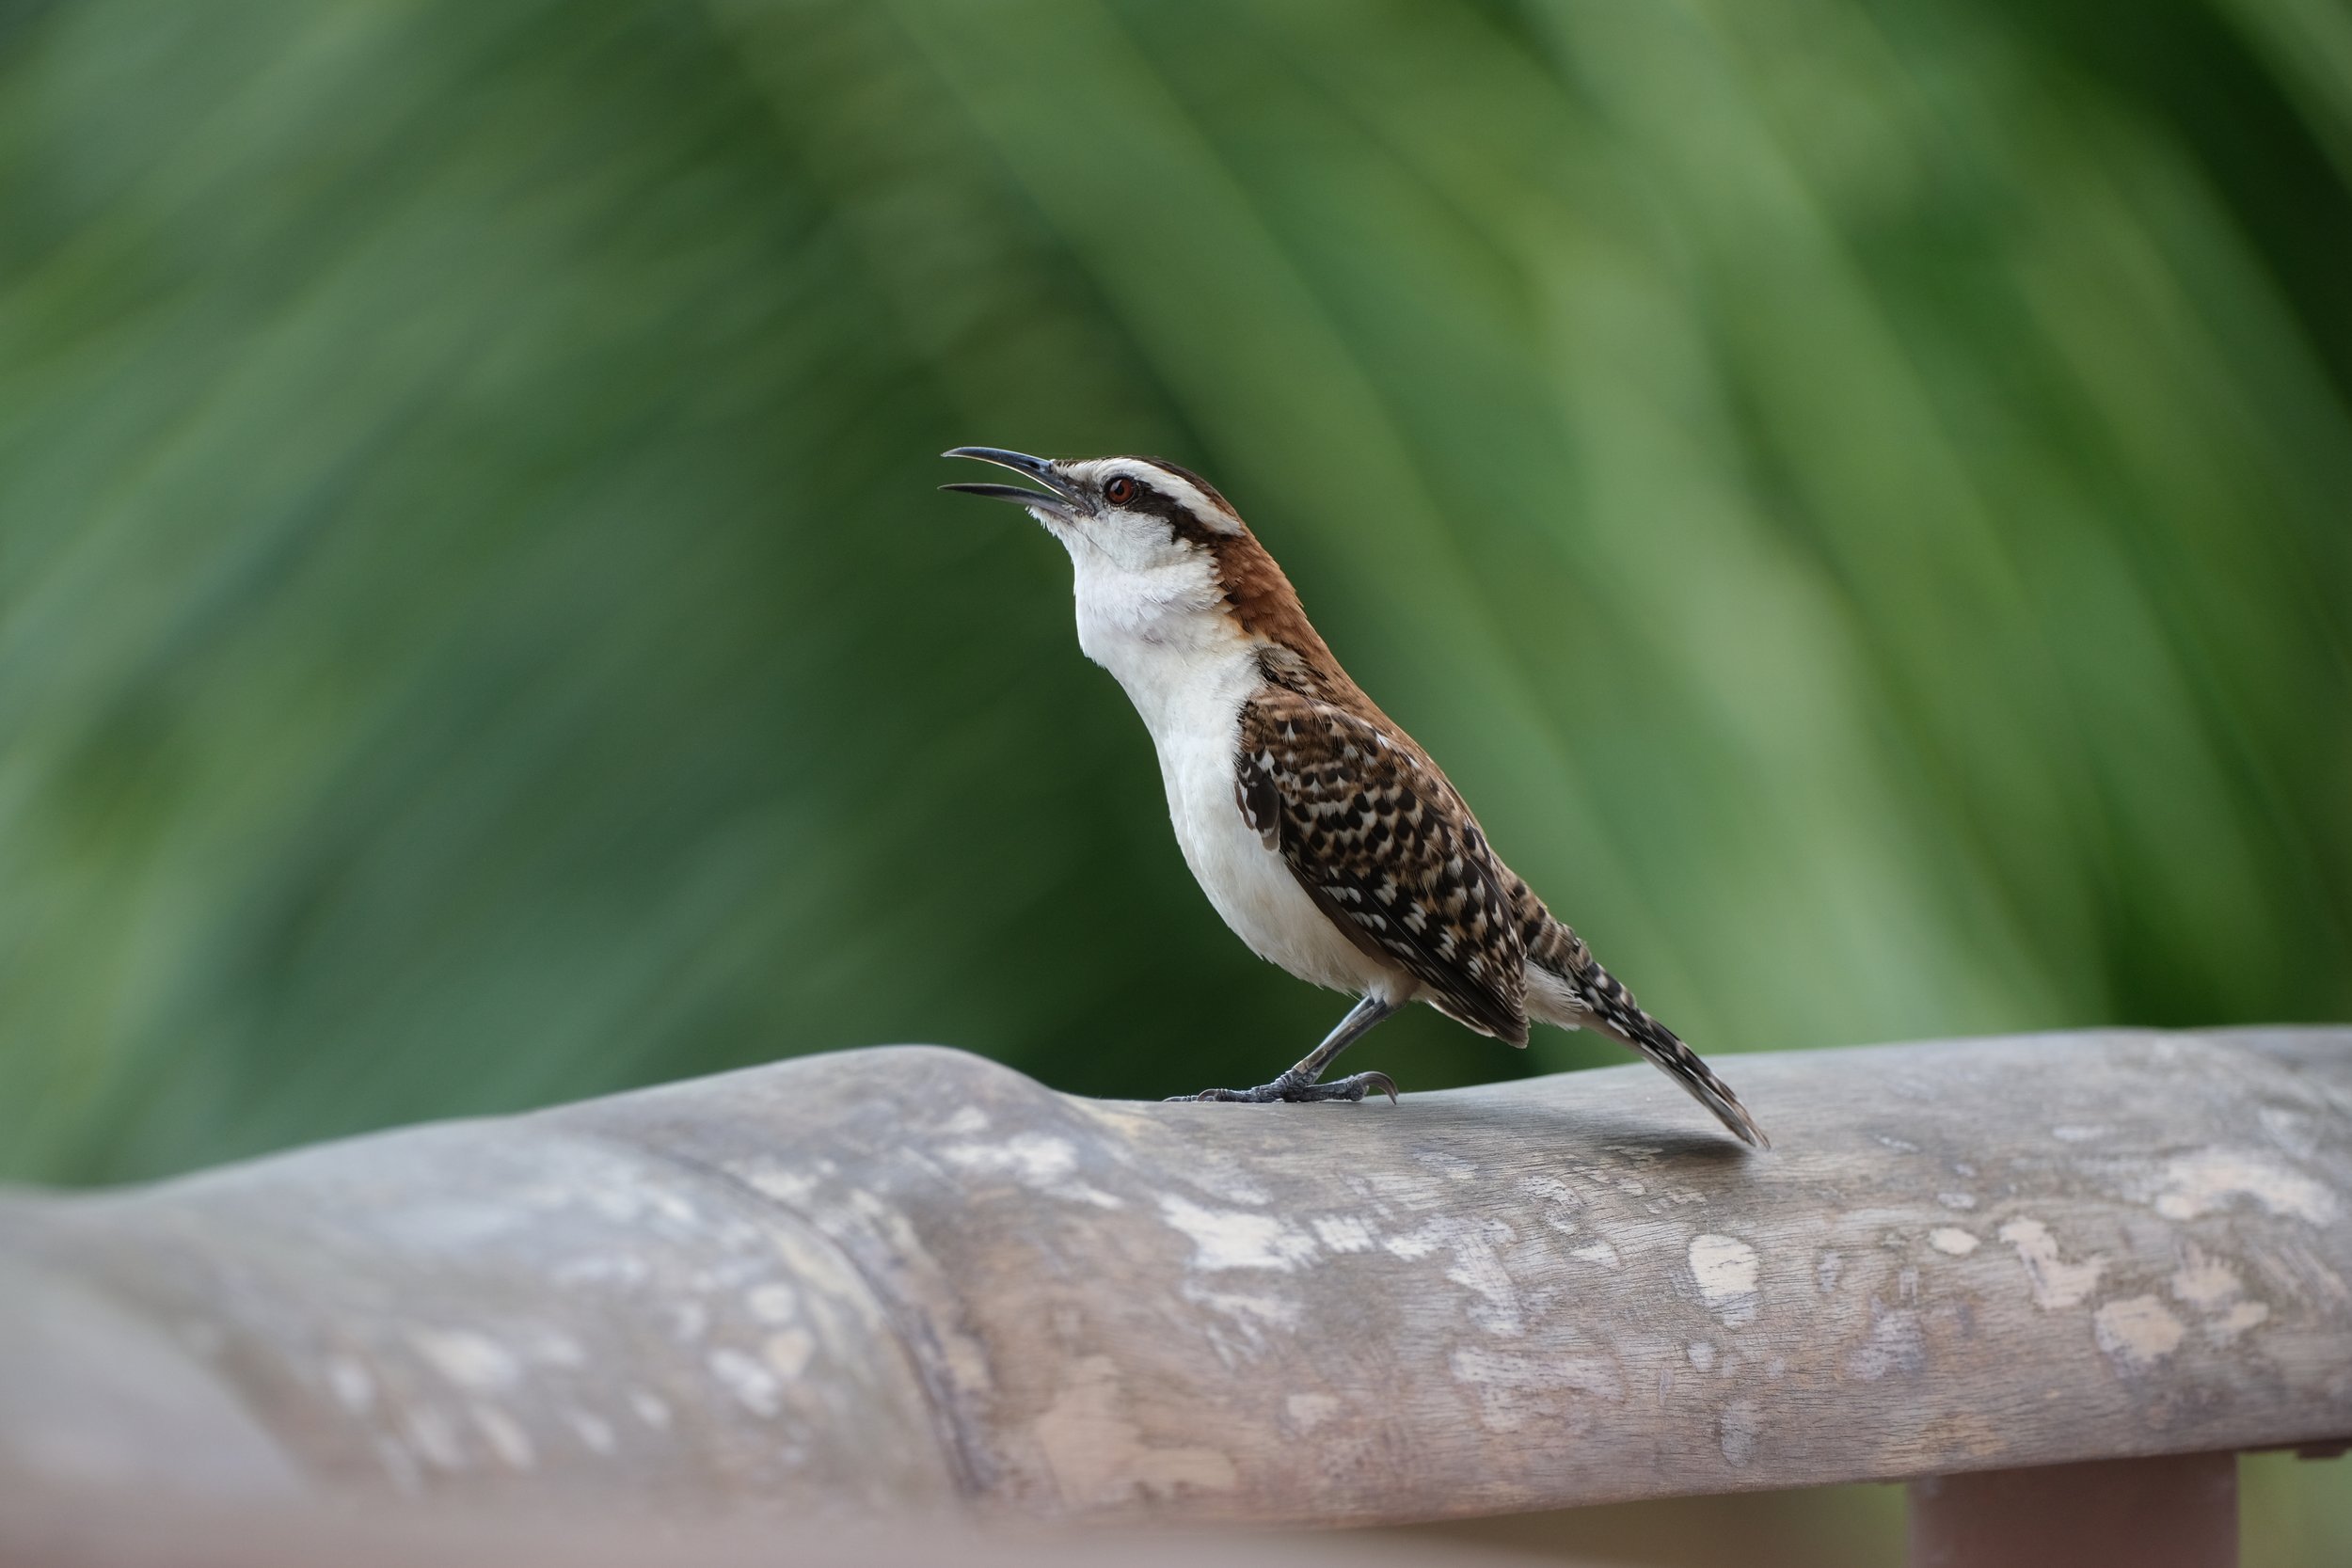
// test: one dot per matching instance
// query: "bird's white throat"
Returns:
(1156, 619)
(1151, 612)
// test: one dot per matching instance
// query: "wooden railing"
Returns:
(909, 1280)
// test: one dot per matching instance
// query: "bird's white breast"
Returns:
(1188, 669)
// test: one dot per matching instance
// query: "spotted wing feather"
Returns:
(1388, 852)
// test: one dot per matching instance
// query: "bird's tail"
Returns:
(1608, 1006)
(1615, 1012)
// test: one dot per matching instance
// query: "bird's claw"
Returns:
(1293, 1091)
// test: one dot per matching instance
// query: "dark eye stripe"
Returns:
(1180, 519)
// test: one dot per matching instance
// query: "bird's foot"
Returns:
(1295, 1090)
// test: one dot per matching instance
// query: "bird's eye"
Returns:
(1121, 490)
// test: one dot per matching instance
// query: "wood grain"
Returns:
(907, 1279)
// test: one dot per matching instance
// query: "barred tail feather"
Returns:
(1614, 1012)
(1589, 997)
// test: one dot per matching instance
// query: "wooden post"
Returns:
(2176, 1512)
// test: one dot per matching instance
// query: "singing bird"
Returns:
(1323, 833)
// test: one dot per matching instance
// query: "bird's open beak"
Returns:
(1062, 502)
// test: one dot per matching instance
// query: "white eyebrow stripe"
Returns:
(1210, 515)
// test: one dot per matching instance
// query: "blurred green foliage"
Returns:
(1856, 493)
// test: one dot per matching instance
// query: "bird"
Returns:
(1323, 833)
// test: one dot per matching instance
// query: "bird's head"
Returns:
(1142, 512)
(1162, 563)
(1167, 576)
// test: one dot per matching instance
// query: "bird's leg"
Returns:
(1299, 1082)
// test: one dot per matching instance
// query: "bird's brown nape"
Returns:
(1265, 603)
(1265, 607)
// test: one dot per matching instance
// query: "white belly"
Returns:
(1250, 885)
(1188, 669)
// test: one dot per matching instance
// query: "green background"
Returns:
(1855, 493)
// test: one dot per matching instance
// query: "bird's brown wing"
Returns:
(1387, 851)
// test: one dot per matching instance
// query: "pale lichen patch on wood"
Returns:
(773, 1302)
(2055, 1283)
(2137, 1332)
(353, 1386)
(2214, 1289)
(1725, 1269)
(1344, 1233)
(751, 1385)
(2206, 1182)
(1097, 1454)
(2204, 1282)
(1041, 1162)
(471, 1360)
(1237, 1239)
(2239, 1317)
(594, 1432)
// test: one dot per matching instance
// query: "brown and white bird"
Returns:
(1324, 836)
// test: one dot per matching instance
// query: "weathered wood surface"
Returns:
(902, 1279)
